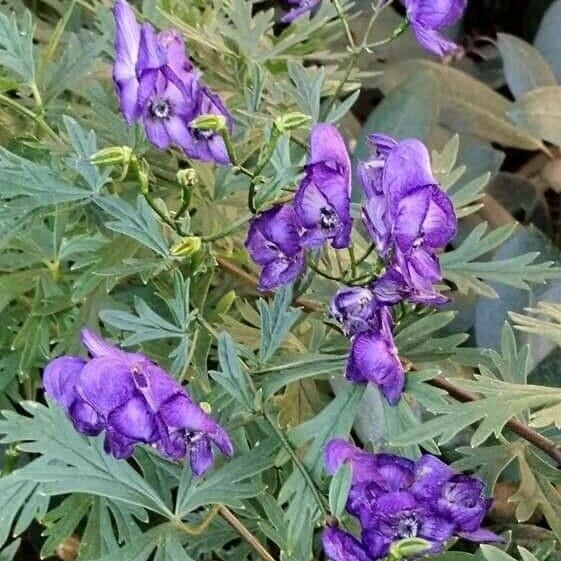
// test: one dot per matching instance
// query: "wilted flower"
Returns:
(273, 241)
(135, 402)
(300, 7)
(429, 17)
(395, 498)
(323, 199)
(373, 358)
(156, 83)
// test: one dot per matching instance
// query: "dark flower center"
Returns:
(160, 108)
(408, 527)
(329, 218)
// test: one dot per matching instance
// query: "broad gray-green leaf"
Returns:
(548, 38)
(539, 113)
(467, 105)
(16, 45)
(524, 67)
(339, 489)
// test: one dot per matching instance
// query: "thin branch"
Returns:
(546, 445)
(245, 534)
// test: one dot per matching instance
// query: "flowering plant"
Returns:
(238, 322)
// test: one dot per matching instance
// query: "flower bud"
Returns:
(186, 246)
(291, 121)
(214, 123)
(409, 547)
(112, 156)
(187, 177)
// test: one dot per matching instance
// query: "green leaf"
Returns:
(548, 39)
(539, 113)
(277, 319)
(525, 68)
(492, 553)
(9, 552)
(339, 489)
(16, 45)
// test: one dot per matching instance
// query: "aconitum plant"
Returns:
(241, 320)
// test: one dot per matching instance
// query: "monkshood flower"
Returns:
(157, 84)
(135, 402)
(323, 199)
(274, 242)
(429, 17)
(355, 309)
(395, 498)
(373, 358)
(300, 7)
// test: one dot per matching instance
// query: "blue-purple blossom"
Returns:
(409, 217)
(373, 358)
(355, 309)
(134, 402)
(299, 8)
(157, 84)
(274, 242)
(323, 199)
(395, 498)
(429, 17)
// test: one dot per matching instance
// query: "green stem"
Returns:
(353, 261)
(13, 104)
(186, 201)
(228, 230)
(204, 323)
(345, 22)
(37, 97)
(323, 274)
(298, 463)
(396, 33)
(340, 87)
(166, 220)
(238, 168)
(366, 255)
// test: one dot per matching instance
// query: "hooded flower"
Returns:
(273, 241)
(323, 199)
(395, 498)
(300, 7)
(429, 17)
(373, 358)
(355, 309)
(135, 402)
(157, 84)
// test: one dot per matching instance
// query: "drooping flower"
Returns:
(323, 199)
(374, 358)
(429, 17)
(355, 309)
(395, 498)
(135, 402)
(300, 7)
(273, 241)
(157, 84)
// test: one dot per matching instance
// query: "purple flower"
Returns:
(323, 199)
(429, 17)
(373, 358)
(355, 309)
(299, 9)
(135, 402)
(342, 546)
(273, 241)
(157, 84)
(395, 498)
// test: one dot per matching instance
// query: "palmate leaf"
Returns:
(16, 45)
(461, 266)
(543, 320)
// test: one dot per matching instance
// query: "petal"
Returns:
(339, 451)
(294, 269)
(200, 456)
(393, 473)
(173, 445)
(376, 543)
(127, 36)
(430, 476)
(341, 546)
(218, 150)
(362, 501)
(151, 56)
(178, 131)
(407, 168)
(482, 535)
(435, 14)
(60, 377)
(97, 346)
(343, 238)
(171, 42)
(440, 224)
(105, 383)
(155, 384)
(409, 215)
(327, 145)
(157, 133)
(127, 90)
(391, 288)
(376, 221)
(436, 529)
(85, 419)
(308, 202)
(280, 272)
(434, 42)
(381, 144)
(393, 388)
(278, 225)
(134, 420)
(393, 503)
(118, 445)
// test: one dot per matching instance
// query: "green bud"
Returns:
(291, 121)
(215, 123)
(408, 547)
(187, 177)
(142, 170)
(112, 156)
(186, 246)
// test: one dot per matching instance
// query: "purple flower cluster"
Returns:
(320, 213)
(409, 218)
(395, 498)
(135, 402)
(158, 85)
(429, 17)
